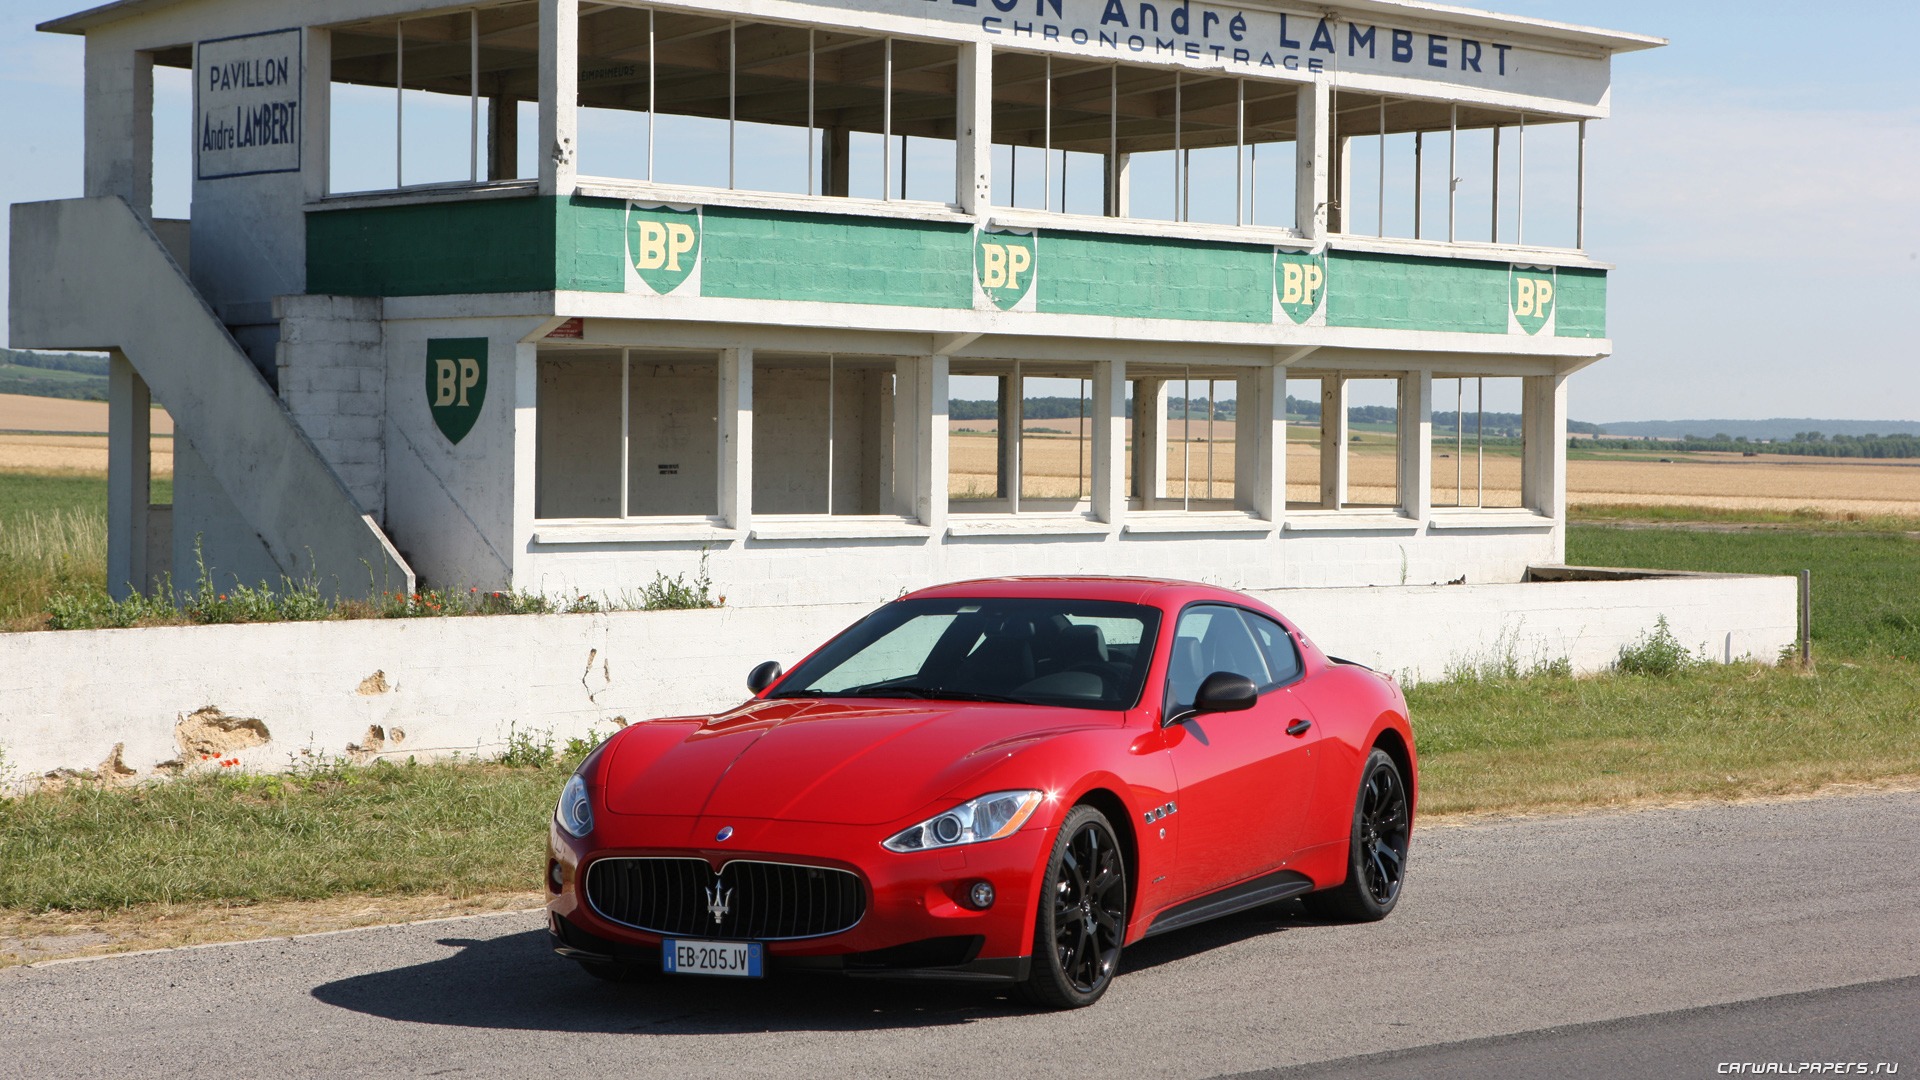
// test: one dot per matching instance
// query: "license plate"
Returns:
(681, 956)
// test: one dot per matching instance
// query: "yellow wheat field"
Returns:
(1058, 466)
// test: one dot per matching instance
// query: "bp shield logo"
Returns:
(456, 383)
(1530, 294)
(663, 245)
(1300, 284)
(1004, 264)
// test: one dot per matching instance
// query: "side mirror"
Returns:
(1222, 691)
(766, 674)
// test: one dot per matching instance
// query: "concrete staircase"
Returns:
(91, 274)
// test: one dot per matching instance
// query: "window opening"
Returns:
(626, 433)
(433, 100)
(1479, 446)
(1022, 437)
(823, 432)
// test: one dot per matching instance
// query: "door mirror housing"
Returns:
(1222, 691)
(765, 675)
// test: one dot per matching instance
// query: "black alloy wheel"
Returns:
(1377, 851)
(1082, 920)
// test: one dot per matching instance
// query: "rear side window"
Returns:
(1282, 657)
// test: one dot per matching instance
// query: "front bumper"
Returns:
(916, 925)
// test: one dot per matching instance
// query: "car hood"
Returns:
(834, 762)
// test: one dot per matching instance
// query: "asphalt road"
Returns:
(1657, 943)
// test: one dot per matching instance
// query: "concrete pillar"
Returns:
(316, 97)
(119, 125)
(1123, 186)
(1333, 441)
(836, 147)
(1150, 441)
(1543, 466)
(503, 138)
(1415, 413)
(1011, 416)
(930, 477)
(526, 443)
(1260, 464)
(559, 148)
(1312, 159)
(973, 146)
(1109, 494)
(1340, 179)
(129, 476)
(736, 438)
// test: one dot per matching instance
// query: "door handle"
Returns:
(1299, 727)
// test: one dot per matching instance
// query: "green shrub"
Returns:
(1656, 652)
(527, 749)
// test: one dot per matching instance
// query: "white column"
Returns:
(1150, 440)
(1110, 440)
(129, 449)
(908, 440)
(315, 97)
(119, 125)
(1260, 470)
(1313, 116)
(526, 458)
(736, 438)
(1415, 411)
(1543, 469)
(973, 150)
(930, 482)
(1333, 441)
(559, 94)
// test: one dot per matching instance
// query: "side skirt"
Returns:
(1248, 894)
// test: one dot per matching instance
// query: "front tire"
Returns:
(1376, 848)
(1082, 918)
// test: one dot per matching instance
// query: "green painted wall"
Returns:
(429, 249)
(535, 244)
(1581, 303)
(1402, 292)
(1084, 274)
(764, 255)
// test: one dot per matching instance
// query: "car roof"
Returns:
(1161, 592)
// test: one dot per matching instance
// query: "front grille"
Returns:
(764, 901)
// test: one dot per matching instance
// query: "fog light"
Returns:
(980, 895)
(553, 874)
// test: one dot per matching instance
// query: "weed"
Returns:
(1656, 652)
(677, 594)
(527, 749)
(577, 749)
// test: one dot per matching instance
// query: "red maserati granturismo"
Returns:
(1006, 780)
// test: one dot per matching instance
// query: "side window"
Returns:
(1209, 639)
(1283, 658)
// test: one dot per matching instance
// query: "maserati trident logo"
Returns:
(718, 897)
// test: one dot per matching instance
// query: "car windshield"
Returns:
(1089, 654)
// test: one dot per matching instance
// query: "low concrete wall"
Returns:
(132, 703)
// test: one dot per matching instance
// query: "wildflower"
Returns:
(223, 596)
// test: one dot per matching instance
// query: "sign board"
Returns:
(456, 383)
(246, 104)
(1303, 43)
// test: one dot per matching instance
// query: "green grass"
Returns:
(1805, 518)
(385, 829)
(1711, 731)
(1866, 601)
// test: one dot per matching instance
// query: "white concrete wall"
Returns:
(333, 381)
(435, 686)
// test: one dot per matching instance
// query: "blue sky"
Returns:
(1757, 188)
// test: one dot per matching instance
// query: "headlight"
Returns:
(988, 817)
(575, 813)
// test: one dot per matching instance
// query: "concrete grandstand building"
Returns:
(557, 295)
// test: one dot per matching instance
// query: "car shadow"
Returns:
(516, 982)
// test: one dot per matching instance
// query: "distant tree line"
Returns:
(1807, 443)
(1503, 425)
(85, 365)
(1066, 408)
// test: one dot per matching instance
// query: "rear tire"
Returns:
(1082, 918)
(1376, 848)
